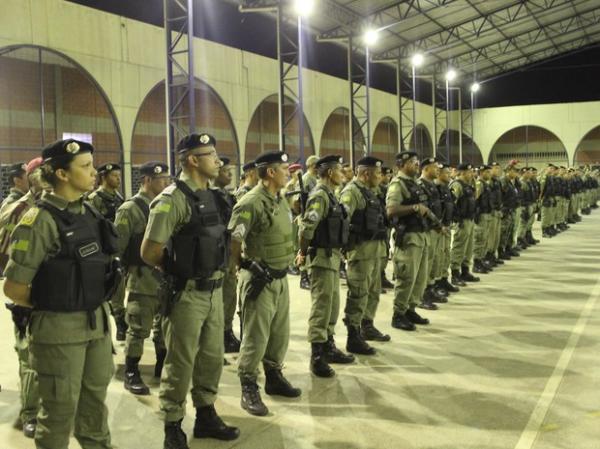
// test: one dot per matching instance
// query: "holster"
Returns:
(21, 317)
(114, 277)
(169, 291)
(259, 280)
(399, 233)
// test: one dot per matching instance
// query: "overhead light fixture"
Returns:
(370, 37)
(304, 8)
(475, 87)
(417, 60)
(450, 75)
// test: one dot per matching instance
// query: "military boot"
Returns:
(385, 282)
(400, 321)
(209, 425)
(504, 254)
(415, 318)
(304, 280)
(232, 344)
(443, 283)
(431, 295)
(276, 384)
(355, 342)
(334, 355)
(457, 280)
(121, 325)
(251, 400)
(478, 267)
(318, 361)
(29, 428)
(467, 276)
(513, 252)
(161, 353)
(133, 379)
(530, 239)
(175, 438)
(370, 332)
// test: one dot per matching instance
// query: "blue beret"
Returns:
(195, 140)
(67, 148)
(17, 169)
(154, 168)
(484, 167)
(271, 157)
(225, 160)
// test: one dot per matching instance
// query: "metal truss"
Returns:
(360, 107)
(180, 82)
(406, 126)
(440, 123)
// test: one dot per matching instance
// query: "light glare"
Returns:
(475, 87)
(417, 60)
(450, 75)
(371, 37)
(304, 8)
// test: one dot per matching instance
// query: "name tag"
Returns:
(89, 249)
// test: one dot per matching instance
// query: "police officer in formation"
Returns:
(19, 184)
(249, 179)
(483, 220)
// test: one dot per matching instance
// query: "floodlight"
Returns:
(417, 60)
(304, 7)
(475, 87)
(370, 37)
(450, 75)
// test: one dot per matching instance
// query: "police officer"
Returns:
(142, 285)
(309, 179)
(510, 202)
(292, 194)
(250, 179)
(462, 244)
(323, 232)
(65, 239)
(406, 208)
(483, 222)
(19, 185)
(386, 176)
(493, 242)
(232, 344)
(365, 251)
(261, 227)
(187, 219)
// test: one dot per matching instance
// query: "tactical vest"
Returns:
(227, 200)
(496, 195)
(75, 279)
(273, 245)
(466, 206)
(111, 203)
(200, 247)
(447, 204)
(509, 196)
(549, 187)
(434, 202)
(368, 223)
(333, 230)
(414, 222)
(484, 202)
(132, 256)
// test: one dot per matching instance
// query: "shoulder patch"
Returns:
(30, 217)
(169, 189)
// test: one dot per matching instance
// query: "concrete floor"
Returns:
(510, 362)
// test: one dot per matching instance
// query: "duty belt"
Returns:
(208, 285)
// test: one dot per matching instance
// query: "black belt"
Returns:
(277, 274)
(208, 285)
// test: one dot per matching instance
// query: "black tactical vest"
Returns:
(132, 256)
(200, 247)
(496, 194)
(466, 207)
(447, 204)
(333, 230)
(76, 279)
(414, 222)
(484, 202)
(549, 187)
(368, 223)
(434, 202)
(510, 199)
(111, 203)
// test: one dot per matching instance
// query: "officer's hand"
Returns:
(423, 210)
(445, 230)
(300, 259)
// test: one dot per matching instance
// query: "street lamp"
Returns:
(370, 37)
(450, 76)
(304, 8)
(475, 87)
(417, 61)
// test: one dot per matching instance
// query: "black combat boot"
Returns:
(355, 342)
(276, 384)
(401, 321)
(161, 353)
(175, 437)
(318, 361)
(133, 380)
(334, 355)
(385, 282)
(415, 318)
(370, 332)
(443, 283)
(251, 400)
(467, 276)
(457, 279)
(304, 280)
(478, 267)
(121, 325)
(29, 428)
(293, 270)
(431, 295)
(514, 252)
(232, 344)
(489, 266)
(504, 254)
(209, 425)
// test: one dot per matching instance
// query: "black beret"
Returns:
(552, 165)
(66, 148)
(428, 161)
(532, 169)
(195, 140)
(107, 168)
(329, 160)
(369, 161)
(405, 155)
(154, 168)
(464, 166)
(248, 166)
(271, 157)
(225, 160)
(484, 167)
(495, 164)
(17, 169)
(444, 165)
(387, 170)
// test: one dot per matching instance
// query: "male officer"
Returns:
(527, 200)
(483, 224)
(232, 344)
(365, 250)
(19, 185)
(261, 227)
(323, 232)
(309, 179)
(510, 202)
(386, 176)
(493, 242)
(142, 303)
(462, 245)
(187, 219)
(406, 208)
(250, 179)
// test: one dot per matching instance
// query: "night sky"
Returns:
(570, 78)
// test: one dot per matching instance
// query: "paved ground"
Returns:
(510, 362)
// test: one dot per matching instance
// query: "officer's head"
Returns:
(496, 169)
(408, 163)
(444, 173)
(110, 175)
(511, 171)
(330, 168)
(368, 171)
(155, 177)
(311, 164)
(485, 172)
(225, 175)
(348, 172)
(17, 176)
(386, 175)
(249, 173)
(34, 176)
(68, 165)
(197, 154)
(272, 167)
(465, 172)
(429, 168)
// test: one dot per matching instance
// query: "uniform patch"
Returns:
(163, 208)
(20, 245)
(245, 215)
(312, 216)
(29, 218)
(239, 232)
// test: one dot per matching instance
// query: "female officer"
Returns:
(61, 266)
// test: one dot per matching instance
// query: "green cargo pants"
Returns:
(410, 271)
(462, 245)
(482, 232)
(141, 317)
(442, 262)
(325, 309)
(117, 301)
(229, 300)
(30, 397)
(266, 324)
(364, 288)
(193, 333)
(508, 225)
(547, 219)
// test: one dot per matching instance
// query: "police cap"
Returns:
(271, 157)
(68, 149)
(154, 168)
(369, 161)
(107, 168)
(248, 166)
(329, 160)
(195, 140)
(17, 169)
(428, 161)
(403, 156)
(225, 161)
(484, 167)
(464, 166)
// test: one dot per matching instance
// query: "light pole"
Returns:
(474, 89)
(370, 38)
(450, 75)
(417, 61)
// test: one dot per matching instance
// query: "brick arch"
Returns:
(588, 148)
(335, 138)
(470, 150)
(385, 141)
(424, 143)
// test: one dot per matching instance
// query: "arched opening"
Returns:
(149, 140)
(46, 96)
(531, 145)
(385, 141)
(335, 138)
(423, 144)
(449, 150)
(588, 150)
(263, 131)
